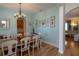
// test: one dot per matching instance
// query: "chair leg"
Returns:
(40, 44)
(33, 51)
(3, 52)
(21, 53)
(38, 49)
(29, 52)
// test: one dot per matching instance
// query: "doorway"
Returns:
(72, 32)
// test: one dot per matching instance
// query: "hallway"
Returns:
(72, 48)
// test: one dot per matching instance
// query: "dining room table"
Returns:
(18, 41)
(11, 39)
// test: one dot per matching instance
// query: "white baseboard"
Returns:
(50, 43)
(53, 45)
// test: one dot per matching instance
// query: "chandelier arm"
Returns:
(20, 14)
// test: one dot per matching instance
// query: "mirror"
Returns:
(4, 24)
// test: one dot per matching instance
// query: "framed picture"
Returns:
(47, 22)
(52, 21)
(41, 23)
(4, 24)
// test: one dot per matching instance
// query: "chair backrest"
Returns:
(25, 41)
(35, 39)
(10, 45)
(39, 34)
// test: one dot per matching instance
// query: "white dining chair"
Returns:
(25, 45)
(35, 43)
(76, 37)
(9, 45)
(40, 40)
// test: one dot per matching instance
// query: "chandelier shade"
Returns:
(19, 14)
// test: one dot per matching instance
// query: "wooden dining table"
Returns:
(10, 39)
(5, 40)
(18, 39)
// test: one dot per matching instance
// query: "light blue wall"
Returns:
(9, 14)
(47, 33)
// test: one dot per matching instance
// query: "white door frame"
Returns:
(61, 29)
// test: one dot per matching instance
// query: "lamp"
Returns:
(73, 23)
(20, 14)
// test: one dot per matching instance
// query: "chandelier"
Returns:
(20, 14)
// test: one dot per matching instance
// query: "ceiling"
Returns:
(30, 7)
(72, 13)
(36, 7)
